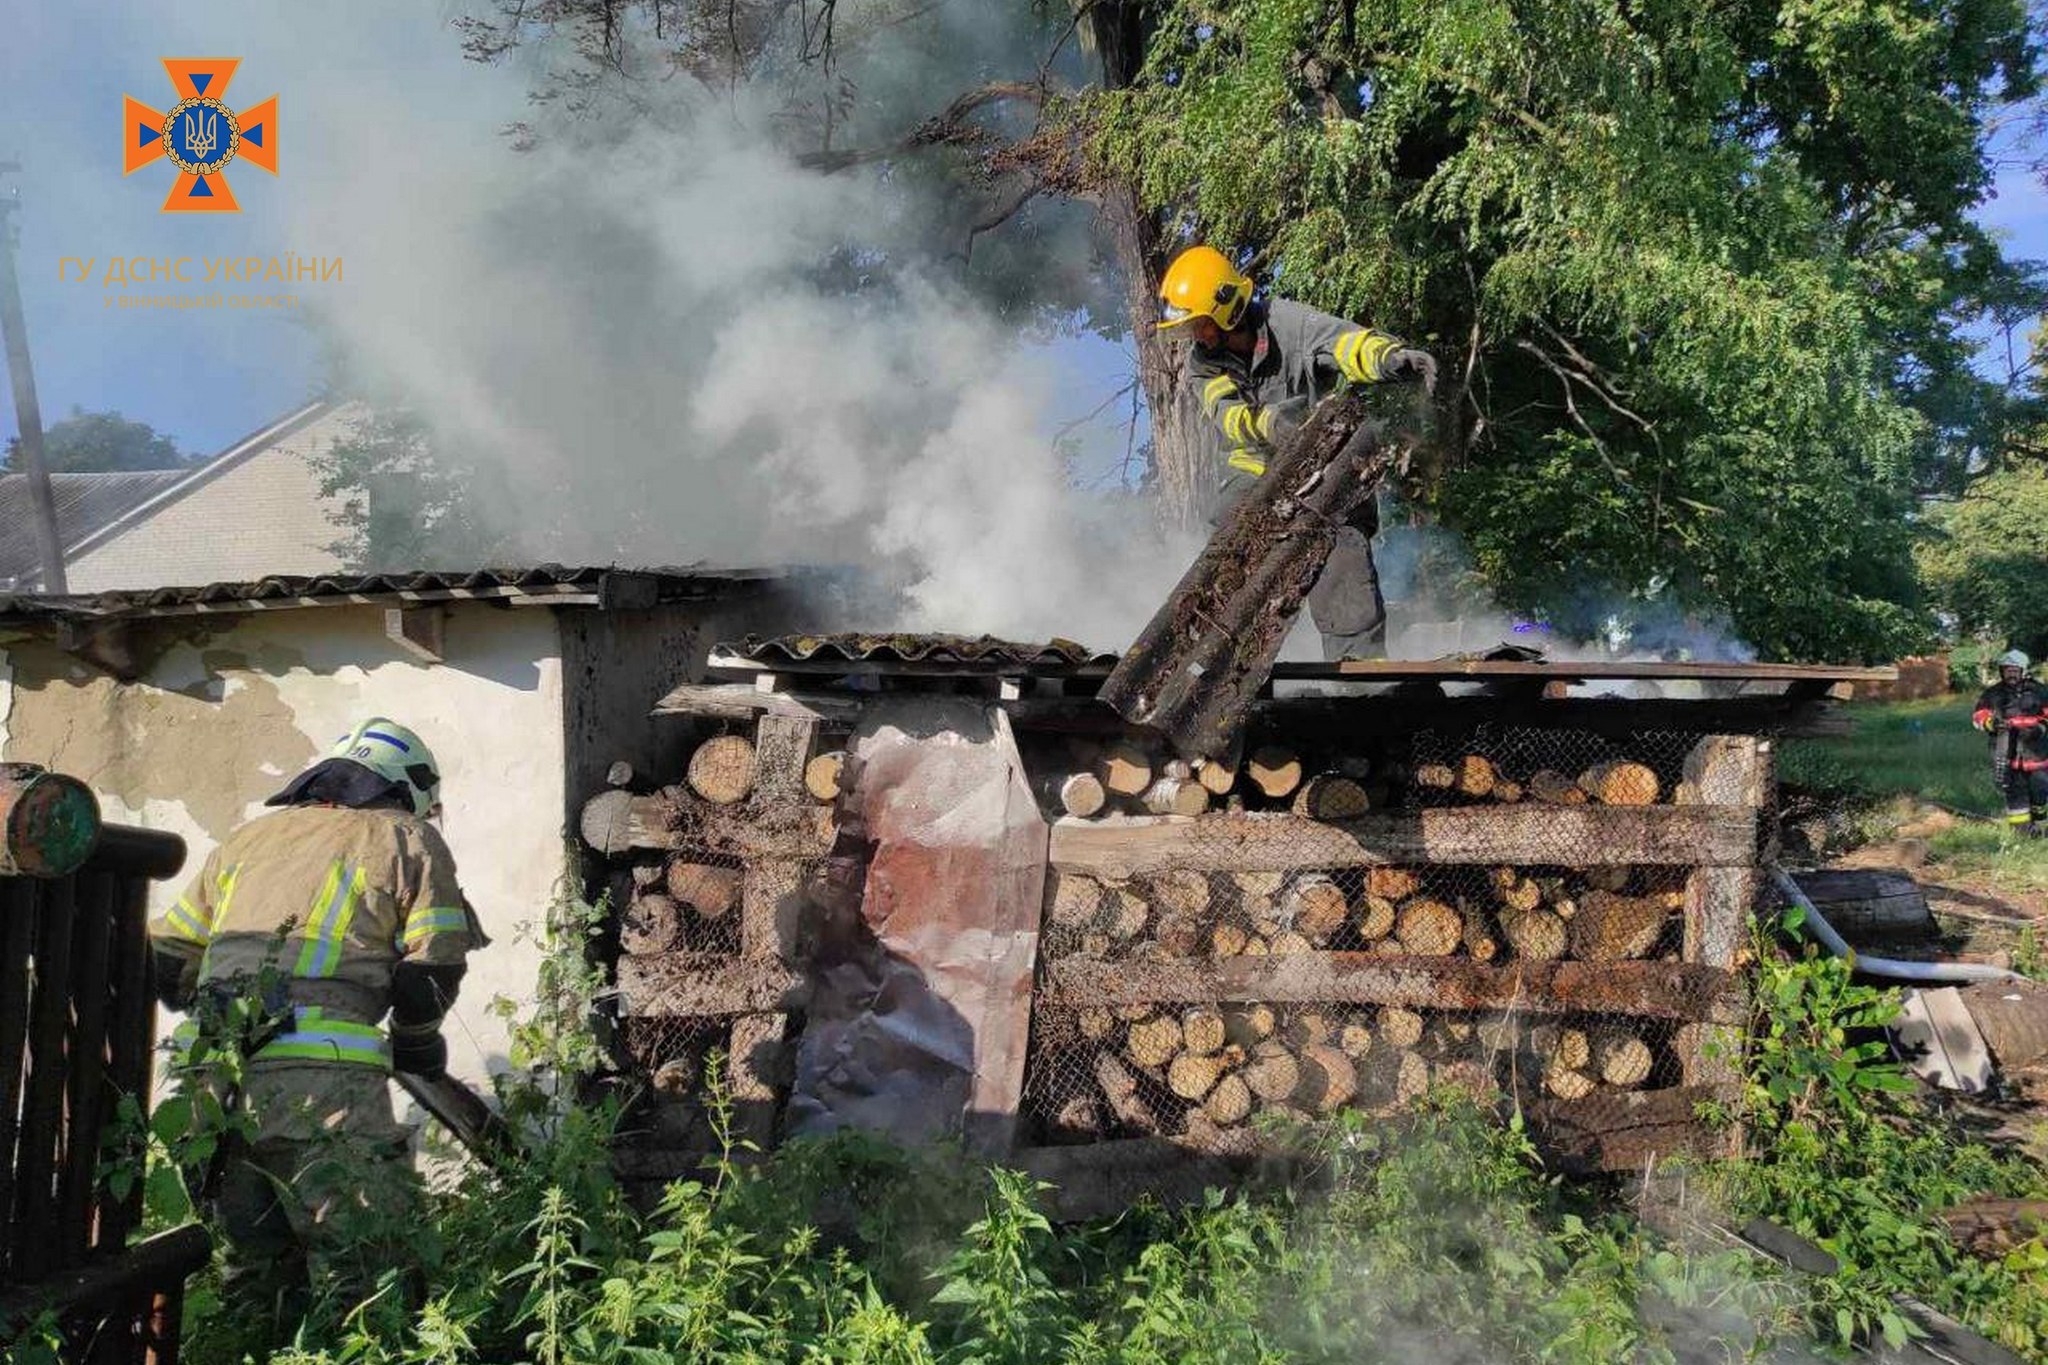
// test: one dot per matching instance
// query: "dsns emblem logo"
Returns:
(200, 135)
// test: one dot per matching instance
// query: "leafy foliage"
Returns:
(1982, 560)
(1702, 263)
(101, 442)
(1846, 1154)
(406, 501)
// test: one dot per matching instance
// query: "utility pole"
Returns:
(14, 330)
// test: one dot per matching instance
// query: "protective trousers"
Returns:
(1345, 603)
(321, 1197)
(2021, 778)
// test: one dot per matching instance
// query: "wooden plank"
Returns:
(42, 1111)
(1719, 901)
(1576, 836)
(617, 822)
(740, 701)
(1866, 904)
(19, 912)
(1624, 1130)
(1583, 670)
(687, 986)
(86, 1100)
(1658, 990)
(1375, 716)
(131, 1037)
(755, 1075)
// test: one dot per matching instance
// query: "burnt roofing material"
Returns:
(86, 504)
(984, 652)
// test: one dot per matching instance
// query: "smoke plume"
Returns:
(657, 338)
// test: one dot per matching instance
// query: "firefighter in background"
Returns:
(2014, 712)
(1258, 365)
(339, 909)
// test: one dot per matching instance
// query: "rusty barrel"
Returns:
(49, 823)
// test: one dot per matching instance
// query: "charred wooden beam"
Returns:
(1195, 669)
(1658, 990)
(1622, 1130)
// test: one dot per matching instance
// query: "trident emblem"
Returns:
(202, 133)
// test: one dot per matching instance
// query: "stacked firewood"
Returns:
(1123, 777)
(1529, 915)
(1200, 1071)
(1126, 778)
(1476, 777)
(683, 904)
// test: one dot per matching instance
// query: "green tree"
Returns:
(1985, 562)
(102, 442)
(1701, 271)
(405, 500)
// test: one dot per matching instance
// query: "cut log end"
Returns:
(722, 770)
(1082, 795)
(822, 774)
(1275, 771)
(711, 892)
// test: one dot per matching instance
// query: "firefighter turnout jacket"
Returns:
(331, 900)
(1301, 352)
(2007, 706)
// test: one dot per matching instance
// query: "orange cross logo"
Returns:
(200, 135)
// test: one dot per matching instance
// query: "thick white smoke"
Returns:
(662, 340)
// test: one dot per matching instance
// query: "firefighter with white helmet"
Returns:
(1257, 364)
(2014, 712)
(321, 920)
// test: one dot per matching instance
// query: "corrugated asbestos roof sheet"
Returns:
(85, 503)
(567, 586)
(984, 651)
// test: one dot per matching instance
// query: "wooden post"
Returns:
(1726, 770)
(782, 746)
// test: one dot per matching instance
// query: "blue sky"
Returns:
(207, 377)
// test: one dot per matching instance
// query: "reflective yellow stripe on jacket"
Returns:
(313, 1037)
(1358, 354)
(333, 909)
(429, 920)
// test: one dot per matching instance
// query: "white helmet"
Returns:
(2012, 658)
(395, 753)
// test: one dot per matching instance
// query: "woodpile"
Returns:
(1200, 1070)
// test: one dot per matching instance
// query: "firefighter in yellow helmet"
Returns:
(317, 922)
(1256, 365)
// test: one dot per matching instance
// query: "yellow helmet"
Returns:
(1202, 283)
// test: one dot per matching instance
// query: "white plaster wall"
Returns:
(219, 721)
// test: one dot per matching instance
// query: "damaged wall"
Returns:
(228, 707)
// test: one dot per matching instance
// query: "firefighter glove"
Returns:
(1408, 363)
(420, 1054)
(1278, 421)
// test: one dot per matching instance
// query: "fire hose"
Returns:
(1894, 969)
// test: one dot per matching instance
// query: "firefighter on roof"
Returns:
(1257, 365)
(2014, 712)
(316, 922)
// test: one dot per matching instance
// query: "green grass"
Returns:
(1903, 753)
(1924, 749)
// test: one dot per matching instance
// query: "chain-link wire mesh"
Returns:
(1554, 928)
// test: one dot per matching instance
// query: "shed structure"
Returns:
(1529, 880)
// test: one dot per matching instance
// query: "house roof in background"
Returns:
(85, 504)
(189, 481)
(93, 509)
